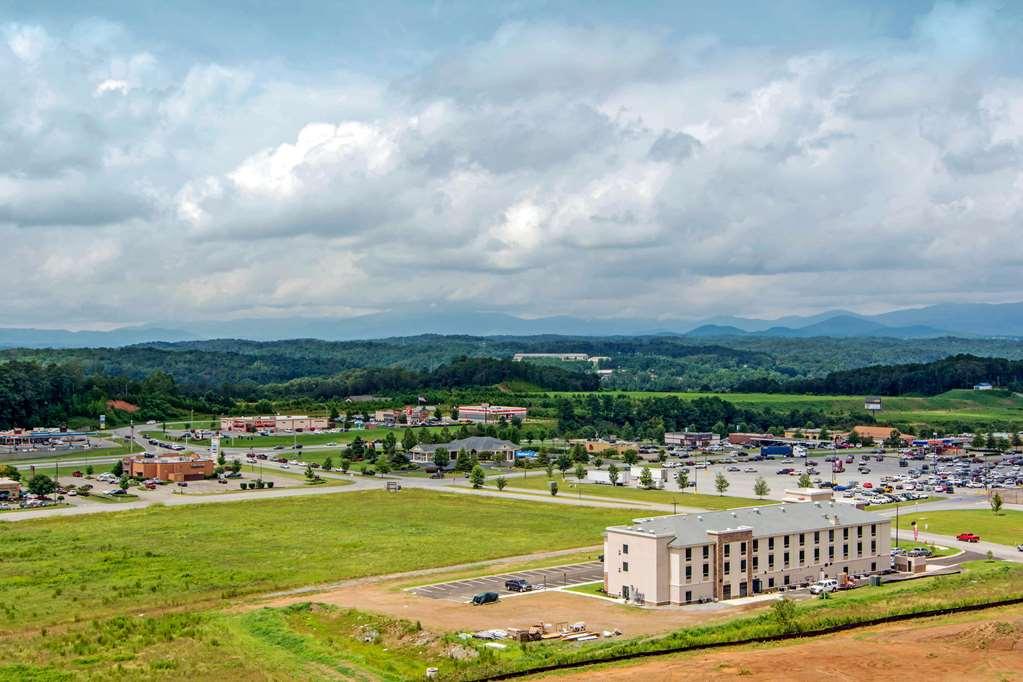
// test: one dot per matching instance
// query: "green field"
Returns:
(311, 641)
(1004, 528)
(164, 557)
(570, 486)
(951, 406)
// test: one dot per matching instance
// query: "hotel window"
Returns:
(689, 573)
(873, 529)
(689, 553)
(802, 557)
(786, 580)
(625, 567)
(845, 533)
(728, 550)
(770, 562)
(816, 555)
(831, 536)
(859, 531)
(802, 539)
(859, 549)
(728, 567)
(625, 549)
(756, 562)
(742, 566)
(756, 545)
(706, 571)
(845, 551)
(706, 551)
(786, 557)
(770, 583)
(689, 597)
(786, 543)
(873, 546)
(816, 537)
(742, 548)
(831, 553)
(770, 544)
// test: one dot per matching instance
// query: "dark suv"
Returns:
(517, 585)
(485, 598)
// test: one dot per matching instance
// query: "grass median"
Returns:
(570, 486)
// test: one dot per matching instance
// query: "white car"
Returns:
(828, 585)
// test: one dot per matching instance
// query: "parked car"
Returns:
(1019, 547)
(518, 585)
(183, 484)
(485, 598)
(968, 537)
(828, 585)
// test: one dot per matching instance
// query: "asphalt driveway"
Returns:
(557, 576)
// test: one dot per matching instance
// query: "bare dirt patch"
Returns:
(986, 646)
(517, 611)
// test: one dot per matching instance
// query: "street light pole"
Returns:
(896, 524)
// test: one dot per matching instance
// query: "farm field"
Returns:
(160, 558)
(1004, 528)
(569, 486)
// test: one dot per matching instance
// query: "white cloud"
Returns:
(550, 169)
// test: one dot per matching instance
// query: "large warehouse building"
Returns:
(273, 424)
(490, 414)
(684, 558)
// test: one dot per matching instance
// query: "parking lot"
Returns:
(557, 576)
(742, 482)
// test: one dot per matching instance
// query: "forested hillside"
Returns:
(932, 378)
(639, 363)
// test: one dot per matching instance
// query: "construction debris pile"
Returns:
(566, 632)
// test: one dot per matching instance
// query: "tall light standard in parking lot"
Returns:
(896, 525)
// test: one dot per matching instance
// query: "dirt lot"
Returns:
(518, 610)
(979, 646)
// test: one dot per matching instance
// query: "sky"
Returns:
(166, 162)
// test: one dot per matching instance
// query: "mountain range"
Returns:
(949, 319)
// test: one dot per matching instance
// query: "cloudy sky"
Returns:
(537, 158)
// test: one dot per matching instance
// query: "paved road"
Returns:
(555, 576)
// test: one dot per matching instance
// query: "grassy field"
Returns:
(1004, 528)
(57, 571)
(570, 486)
(589, 588)
(318, 642)
(956, 405)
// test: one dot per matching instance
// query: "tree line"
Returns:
(922, 378)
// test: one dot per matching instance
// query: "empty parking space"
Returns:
(541, 578)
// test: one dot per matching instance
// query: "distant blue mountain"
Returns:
(62, 338)
(712, 330)
(963, 320)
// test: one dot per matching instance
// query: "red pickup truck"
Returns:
(968, 537)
